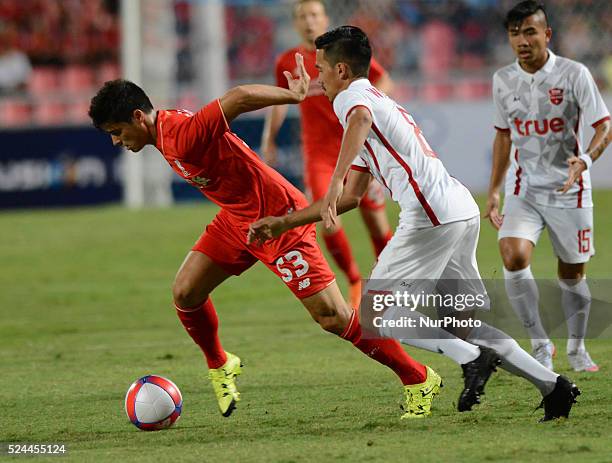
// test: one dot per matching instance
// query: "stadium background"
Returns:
(85, 302)
(441, 55)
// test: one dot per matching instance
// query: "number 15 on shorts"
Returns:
(584, 240)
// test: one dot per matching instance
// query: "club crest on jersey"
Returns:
(556, 95)
(201, 182)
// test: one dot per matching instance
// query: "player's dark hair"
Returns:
(297, 3)
(521, 11)
(347, 44)
(116, 101)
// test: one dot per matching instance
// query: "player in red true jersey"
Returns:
(202, 149)
(321, 139)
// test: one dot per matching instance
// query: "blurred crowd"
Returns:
(435, 49)
(53, 53)
(62, 32)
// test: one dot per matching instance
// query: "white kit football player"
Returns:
(542, 101)
(438, 228)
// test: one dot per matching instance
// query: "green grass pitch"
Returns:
(86, 309)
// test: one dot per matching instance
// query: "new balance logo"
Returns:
(305, 283)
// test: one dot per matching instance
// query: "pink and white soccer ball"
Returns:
(153, 402)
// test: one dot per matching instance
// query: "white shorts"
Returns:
(570, 230)
(421, 258)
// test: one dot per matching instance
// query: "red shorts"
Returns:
(317, 180)
(295, 256)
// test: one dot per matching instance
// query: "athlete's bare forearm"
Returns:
(355, 135)
(312, 213)
(273, 122)
(501, 160)
(272, 227)
(600, 141)
(246, 98)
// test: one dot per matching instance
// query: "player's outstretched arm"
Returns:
(272, 227)
(501, 161)
(578, 164)
(245, 98)
(358, 126)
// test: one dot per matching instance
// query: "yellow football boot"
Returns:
(418, 397)
(224, 383)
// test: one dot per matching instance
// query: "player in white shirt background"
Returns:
(439, 221)
(542, 102)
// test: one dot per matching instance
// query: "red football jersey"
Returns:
(202, 149)
(321, 130)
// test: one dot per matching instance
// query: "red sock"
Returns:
(380, 243)
(202, 324)
(338, 246)
(389, 352)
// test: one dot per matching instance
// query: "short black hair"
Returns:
(521, 11)
(347, 44)
(116, 102)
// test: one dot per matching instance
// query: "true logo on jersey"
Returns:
(527, 128)
(556, 95)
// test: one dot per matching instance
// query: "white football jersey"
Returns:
(544, 113)
(398, 156)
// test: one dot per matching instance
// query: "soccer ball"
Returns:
(153, 402)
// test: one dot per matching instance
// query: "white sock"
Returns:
(428, 338)
(576, 301)
(524, 298)
(514, 358)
